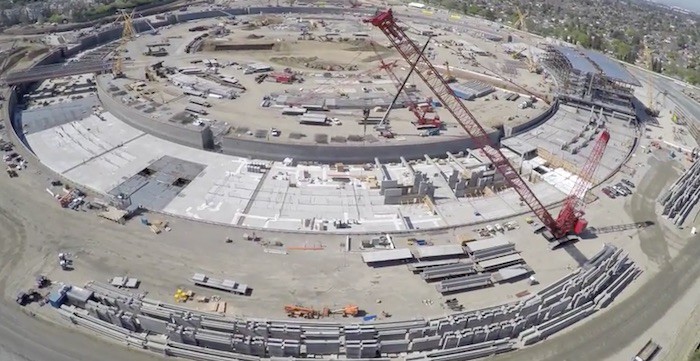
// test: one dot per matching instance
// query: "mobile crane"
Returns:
(570, 219)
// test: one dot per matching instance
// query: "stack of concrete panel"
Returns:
(447, 271)
(421, 266)
(490, 248)
(203, 280)
(500, 262)
(510, 273)
(683, 196)
(179, 331)
(464, 283)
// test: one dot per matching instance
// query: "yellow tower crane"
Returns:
(649, 60)
(521, 24)
(127, 34)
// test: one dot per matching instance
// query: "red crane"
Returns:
(420, 112)
(571, 215)
(411, 52)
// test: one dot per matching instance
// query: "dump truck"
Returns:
(647, 352)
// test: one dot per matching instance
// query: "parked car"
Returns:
(619, 191)
(623, 187)
(609, 192)
(628, 183)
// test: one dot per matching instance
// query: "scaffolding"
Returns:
(587, 89)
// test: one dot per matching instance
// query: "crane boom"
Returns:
(572, 211)
(411, 52)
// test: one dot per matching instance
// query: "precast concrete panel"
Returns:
(553, 299)
(542, 314)
(529, 309)
(257, 348)
(353, 350)
(467, 338)
(486, 318)
(479, 335)
(391, 335)
(322, 347)
(369, 349)
(115, 317)
(557, 286)
(600, 284)
(242, 346)
(215, 343)
(128, 323)
(394, 346)
(531, 320)
(188, 337)
(194, 321)
(261, 331)
(421, 332)
(292, 348)
(507, 330)
(222, 326)
(449, 341)
(446, 326)
(472, 322)
(175, 334)
(492, 333)
(425, 343)
(152, 324)
(275, 348)
(559, 307)
(322, 335)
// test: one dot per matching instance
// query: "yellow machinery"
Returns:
(127, 34)
(521, 24)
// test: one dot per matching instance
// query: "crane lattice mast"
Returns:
(412, 53)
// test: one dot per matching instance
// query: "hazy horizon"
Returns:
(693, 5)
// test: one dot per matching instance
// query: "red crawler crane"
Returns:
(569, 219)
(421, 113)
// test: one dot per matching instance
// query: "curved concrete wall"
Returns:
(201, 138)
(353, 154)
(257, 149)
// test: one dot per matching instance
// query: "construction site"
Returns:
(353, 155)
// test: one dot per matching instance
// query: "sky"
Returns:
(693, 5)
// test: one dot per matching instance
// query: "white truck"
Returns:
(647, 352)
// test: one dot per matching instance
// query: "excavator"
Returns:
(297, 311)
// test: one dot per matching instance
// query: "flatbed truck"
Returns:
(647, 352)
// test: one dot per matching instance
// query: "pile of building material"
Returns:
(510, 273)
(680, 200)
(124, 282)
(493, 264)
(490, 248)
(448, 271)
(464, 283)
(203, 280)
(160, 327)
